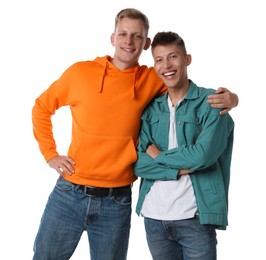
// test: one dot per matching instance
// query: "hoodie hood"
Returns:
(107, 67)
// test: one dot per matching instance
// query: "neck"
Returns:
(122, 65)
(176, 94)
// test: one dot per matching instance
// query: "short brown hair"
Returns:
(165, 38)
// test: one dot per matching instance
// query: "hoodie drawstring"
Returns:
(135, 77)
(136, 69)
(103, 76)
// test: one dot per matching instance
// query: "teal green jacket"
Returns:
(205, 143)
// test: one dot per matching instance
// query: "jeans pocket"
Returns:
(62, 184)
(123, 199)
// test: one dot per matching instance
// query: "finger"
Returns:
(215, 100)
(60, 171)
(69, 160)
(224, 111)
(218, 105)
(62, 164)
(67, 168)
(221, 90)
(62, 167)
(221, 95)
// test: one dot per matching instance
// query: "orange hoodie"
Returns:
(106, 106)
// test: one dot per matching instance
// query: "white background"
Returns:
(40, 39)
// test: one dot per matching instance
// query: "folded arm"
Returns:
(155, 164)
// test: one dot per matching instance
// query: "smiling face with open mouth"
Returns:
(170, 63)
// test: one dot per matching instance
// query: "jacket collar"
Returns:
(193, 93)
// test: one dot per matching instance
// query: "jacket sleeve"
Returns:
(146, 167)
(216, 132)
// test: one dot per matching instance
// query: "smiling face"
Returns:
(129, 39)
(170, 63)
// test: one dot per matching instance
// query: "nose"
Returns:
(167, 64)
(128, 39)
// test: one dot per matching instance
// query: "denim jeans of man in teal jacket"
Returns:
(205, 143)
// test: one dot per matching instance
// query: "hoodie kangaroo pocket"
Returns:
(103, 156)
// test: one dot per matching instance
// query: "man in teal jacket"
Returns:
(184, 158)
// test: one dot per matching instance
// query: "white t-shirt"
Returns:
(175, 199)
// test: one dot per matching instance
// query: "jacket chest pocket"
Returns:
(190, 126)
(153, 122)
(159, 127)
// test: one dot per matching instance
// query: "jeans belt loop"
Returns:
(110, 192)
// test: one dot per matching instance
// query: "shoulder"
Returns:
(149, 81)
(143, 69)
(85, 68)
(196, 90)
(197, 97)
(155, 106)
(79, 65)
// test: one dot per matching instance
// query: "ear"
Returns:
(147, 44)
(189, 59)
(112, 38)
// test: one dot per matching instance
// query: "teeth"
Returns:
(169, 73)
(128, 50)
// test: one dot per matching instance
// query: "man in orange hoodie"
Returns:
(93, 192)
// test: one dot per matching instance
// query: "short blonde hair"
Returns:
(133, 13)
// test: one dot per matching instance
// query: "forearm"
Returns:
(42, 129)
(205, 151)
(147, 168)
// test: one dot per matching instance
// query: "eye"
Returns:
(138, 36)
(158, 60)
(122, 34)
(172, 57)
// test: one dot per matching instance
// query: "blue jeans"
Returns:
(181, 239)
(69, 211)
